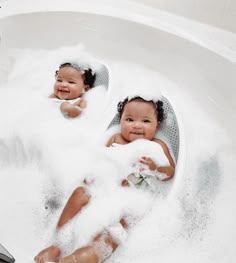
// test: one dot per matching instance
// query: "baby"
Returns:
(139, 119)
(72, 81)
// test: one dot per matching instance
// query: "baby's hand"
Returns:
(70, 109)
(149, 162)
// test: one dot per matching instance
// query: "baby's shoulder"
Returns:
(116, 139)
(160, 142)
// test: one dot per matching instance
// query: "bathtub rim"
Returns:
(214, 39)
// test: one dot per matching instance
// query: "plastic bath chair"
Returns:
(102, 76)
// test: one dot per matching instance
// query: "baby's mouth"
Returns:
(64, 91)
(137, 133)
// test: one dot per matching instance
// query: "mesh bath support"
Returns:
(169, 129)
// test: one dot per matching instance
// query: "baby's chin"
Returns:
(134, 137)
(64, 97)
(67, 97)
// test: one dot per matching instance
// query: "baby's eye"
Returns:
(71, 82)
(59, 80)
(129, 119)
(146, 121)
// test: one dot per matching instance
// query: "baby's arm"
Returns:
(73, 110)
(110, 141)
(168, 170)
(81, 103)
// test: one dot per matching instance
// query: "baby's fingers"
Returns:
(144, 160)
(148, 161)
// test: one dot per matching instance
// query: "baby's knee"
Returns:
(81, 193)
(103, 246)
(85, 255)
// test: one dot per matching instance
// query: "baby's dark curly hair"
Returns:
(89, 76)
(158, 106)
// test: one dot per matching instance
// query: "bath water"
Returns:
(44, 155)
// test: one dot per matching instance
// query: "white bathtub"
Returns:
(201, 62)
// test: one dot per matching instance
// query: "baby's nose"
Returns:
(137, 124)
(64, 83)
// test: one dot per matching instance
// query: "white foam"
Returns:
(42, 154)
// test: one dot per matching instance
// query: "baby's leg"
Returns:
(81, 255)
(101, 248)
(76, 202)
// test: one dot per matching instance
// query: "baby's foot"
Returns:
(48, 254)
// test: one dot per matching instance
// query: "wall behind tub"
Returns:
(218, 13)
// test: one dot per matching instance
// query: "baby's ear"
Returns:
(158, 126)
(86, 88)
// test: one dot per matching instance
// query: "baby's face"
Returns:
(69, 84)
(139, 120)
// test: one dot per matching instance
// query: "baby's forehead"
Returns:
(141, 103)
(140, 107)
(68, 70)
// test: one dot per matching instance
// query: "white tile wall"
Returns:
(211, 11)
(219, 13)
(181, 7)
(160, 4)
(232, 7)
(229, 22)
